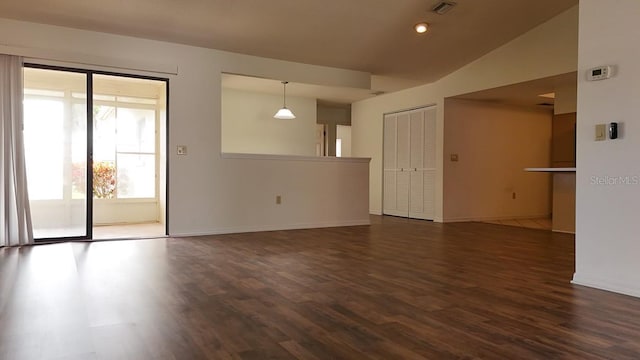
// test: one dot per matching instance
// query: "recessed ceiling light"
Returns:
(421, 28)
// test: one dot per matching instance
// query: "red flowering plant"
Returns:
(104, 179)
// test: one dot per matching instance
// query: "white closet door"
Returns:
(423, 158)
(403, 163)
(390, 201)
(416, 190)
(409, 164)
(429, 171)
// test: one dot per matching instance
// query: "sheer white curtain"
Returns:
(15, 217)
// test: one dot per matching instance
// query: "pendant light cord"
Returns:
(284, 93)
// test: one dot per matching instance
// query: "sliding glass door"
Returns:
(56, 138)
(95, 146)
(128, 124)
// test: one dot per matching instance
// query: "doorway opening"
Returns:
(509, 155)
(95, 148)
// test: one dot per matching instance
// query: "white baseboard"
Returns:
(246, 229)
(630, 289)
(564, 232)
(493, 218)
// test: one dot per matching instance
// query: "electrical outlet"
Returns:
(182, 149)
(278, 199)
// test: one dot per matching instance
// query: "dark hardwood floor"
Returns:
(398, 289)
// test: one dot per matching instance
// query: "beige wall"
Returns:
(248, 125)
(494, 143)
(548, 50)
(566, 100)
(608, 172)
(334, 115)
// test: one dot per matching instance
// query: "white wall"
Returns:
(331, 196)
(548, 50)
(494, 143)
(208, 193)
(343, 132)
(248, 125)
(607, 226)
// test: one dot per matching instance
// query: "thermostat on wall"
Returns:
(599, 73)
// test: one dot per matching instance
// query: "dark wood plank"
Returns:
(398, 289)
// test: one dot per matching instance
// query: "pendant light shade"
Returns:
(284, 113)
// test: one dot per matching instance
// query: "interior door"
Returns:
(390, 201)
(409, 163)
(57, 152)
(416, 146)
(396, 162)
(403, 163)
(389, 166)
(423, 162)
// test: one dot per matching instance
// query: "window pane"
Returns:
(136, 176)
(78, 151)
(104, 133)
(136, 130)
(44, 146)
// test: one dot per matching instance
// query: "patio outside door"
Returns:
(56, 137)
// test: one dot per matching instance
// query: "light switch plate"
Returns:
(601, 132)
(182, 149)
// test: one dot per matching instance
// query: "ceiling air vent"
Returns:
(443, 7)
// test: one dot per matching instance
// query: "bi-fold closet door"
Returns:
(409, 163)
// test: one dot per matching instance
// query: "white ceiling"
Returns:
(375, 36)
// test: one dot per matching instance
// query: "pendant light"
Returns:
(284, 113)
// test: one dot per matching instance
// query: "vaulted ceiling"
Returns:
(375, 36)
